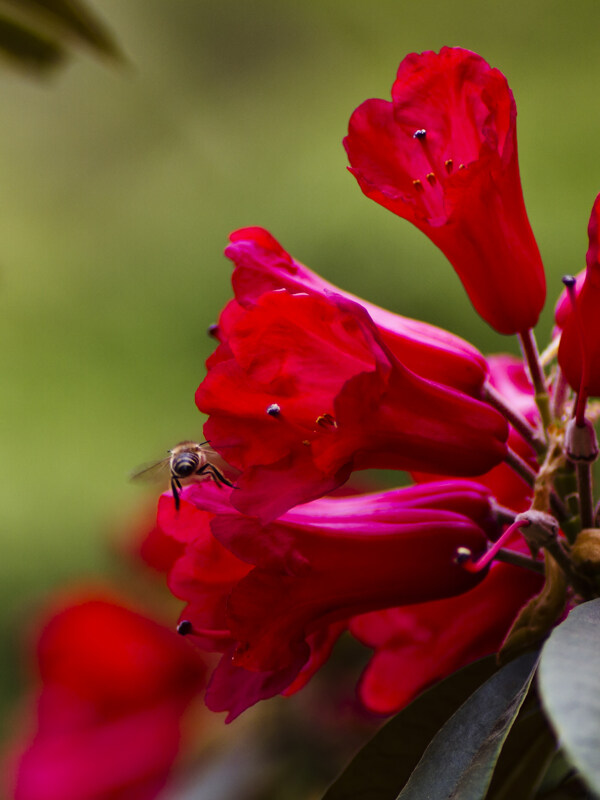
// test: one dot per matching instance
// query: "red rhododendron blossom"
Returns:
(443, 155)
(418, 645)
(304, 391)
(509, 378)
(330, 559)
(114, 688)
(204, 576)
(335, 567)
(261, 265)
(581, 337)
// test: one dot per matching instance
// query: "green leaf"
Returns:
(525, 756)
(460, 759)
(28, 49)
(73, 18)
(383, 766)
(37, 35)
(562, 782)
(569, 685)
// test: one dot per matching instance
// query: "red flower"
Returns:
(562, 309)
(303, 391)
(583, 335)
(204, 576)
(273, 597)
(443, 155)
(509, 377)
(114, 687)
(418, 645)
(261, 265)
(336, 563)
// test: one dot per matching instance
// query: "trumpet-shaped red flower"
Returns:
(418, 645)
(261, 265)
(114, 688)
(443, 155)
(204, 577)
(303, 391)
(272, 597)
(579, 351)
(509, 378)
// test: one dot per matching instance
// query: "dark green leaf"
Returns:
(570, 688)
(74, 18)
(525, 756)
(38, 34)
(561, 782)
(384, 765)
(28, 49)
(460, 760)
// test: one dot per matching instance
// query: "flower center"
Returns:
(430, 187)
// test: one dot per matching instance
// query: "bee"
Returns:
(190, 461)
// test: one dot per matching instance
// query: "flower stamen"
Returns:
(464, 557)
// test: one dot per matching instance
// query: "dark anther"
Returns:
(326, 421)
(213, 330)
(420, 134)
(184, 627)
(274, 410)
(569, 280)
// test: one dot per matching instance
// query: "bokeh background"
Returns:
(119, 184)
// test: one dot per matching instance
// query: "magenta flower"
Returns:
(443, 155)
(271, 598)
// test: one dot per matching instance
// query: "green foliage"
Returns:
(37, 35)
(570, 688)
(384, 765)
(457, 729)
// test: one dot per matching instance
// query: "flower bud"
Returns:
(586, 549)
(581, 442)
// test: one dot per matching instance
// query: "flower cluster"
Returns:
(309, 385)
(271, 538)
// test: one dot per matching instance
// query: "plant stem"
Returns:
(518, 422)
(530, 351)
(519, 560)
(521, 467)
(529, 475)
(561, 388)
(586, 500)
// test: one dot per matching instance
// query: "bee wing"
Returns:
(217, 461)
(155, 471)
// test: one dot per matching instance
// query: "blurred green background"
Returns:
(120, 184)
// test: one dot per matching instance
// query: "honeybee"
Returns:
(190, 461)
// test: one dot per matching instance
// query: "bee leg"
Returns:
(175, 488)
(218, 476)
